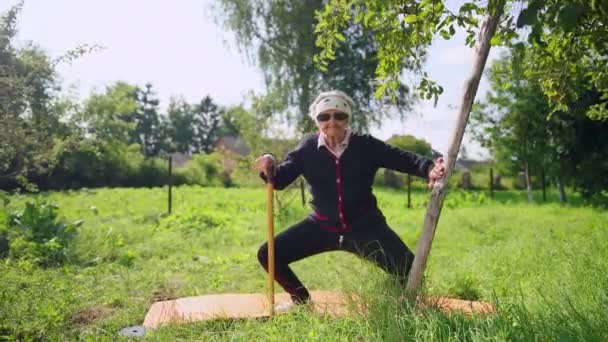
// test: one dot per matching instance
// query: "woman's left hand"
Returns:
(437, 172)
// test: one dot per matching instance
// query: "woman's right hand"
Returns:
(265, 164)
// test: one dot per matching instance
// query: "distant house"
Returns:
(466, 164)
(232, 144)
(232, 148)
(180, 159)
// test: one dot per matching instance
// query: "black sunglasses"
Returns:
(338, 116)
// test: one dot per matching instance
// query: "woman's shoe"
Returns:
(291, 306)
(285, 307)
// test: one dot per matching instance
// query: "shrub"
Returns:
(151, 172)
(38, 235)
(204, 169)
(3, 233)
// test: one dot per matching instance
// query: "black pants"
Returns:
(370, 238)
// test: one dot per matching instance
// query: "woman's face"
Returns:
(329, 122)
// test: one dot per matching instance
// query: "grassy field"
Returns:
(544, 265)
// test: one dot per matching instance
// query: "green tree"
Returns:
(109, 116)
(407, 143)
(412, 144)
(513, 123)
(206, 120)
(181, 128)
(231, 124)
(251, 125)
(148, 131)
(568, 43)
(282, 35)
(569, 39)
(195, 128)
(27, 122)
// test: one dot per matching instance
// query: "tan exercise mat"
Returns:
(255, 305)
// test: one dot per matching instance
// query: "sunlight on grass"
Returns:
(543, 265)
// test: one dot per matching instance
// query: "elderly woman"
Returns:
(340, 165)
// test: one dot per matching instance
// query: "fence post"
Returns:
(170, 181)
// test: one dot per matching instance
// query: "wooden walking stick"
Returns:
(270, 247)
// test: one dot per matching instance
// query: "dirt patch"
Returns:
(448, 305)
(89, 315)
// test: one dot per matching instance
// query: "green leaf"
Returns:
(359, 17)
(339, 36)
(470, 40)
(467, 7)
(4, 198)
(568, 17)
(529, 16)
(368, 17)
(526, 17)
(495, 40)
(411, 18)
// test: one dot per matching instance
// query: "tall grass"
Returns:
(543, 265)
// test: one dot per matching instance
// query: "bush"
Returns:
(37, 234)
(3, 225)
(151, 172)
(3, 233)
(204, 169)
(396, 180)
(93, 163)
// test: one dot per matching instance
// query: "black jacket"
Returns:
(342, 188)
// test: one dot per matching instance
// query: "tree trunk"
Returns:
(562, 192)
(528, 185)
(544, 186)
(439, 191)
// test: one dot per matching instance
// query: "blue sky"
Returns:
(177, 46)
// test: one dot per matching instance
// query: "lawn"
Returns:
(544, 265)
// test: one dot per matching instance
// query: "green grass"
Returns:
(544, 265)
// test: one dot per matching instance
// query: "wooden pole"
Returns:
(170, 195)
(439, 191)
(270, 248)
